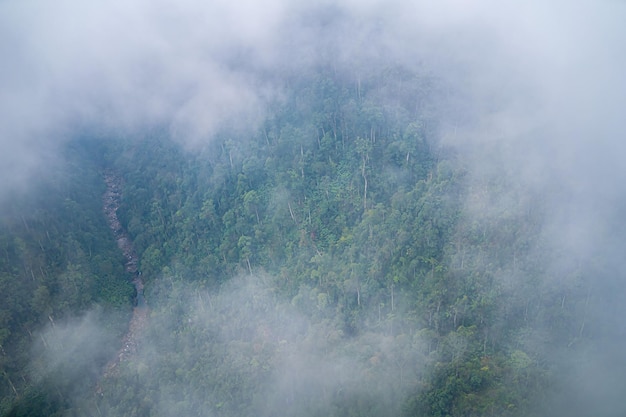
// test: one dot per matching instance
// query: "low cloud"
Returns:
(532, 94)
(247, 350)
(68, 355)
(523, 69)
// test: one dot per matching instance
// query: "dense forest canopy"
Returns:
(330, 211)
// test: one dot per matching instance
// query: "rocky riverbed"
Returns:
(111, 202)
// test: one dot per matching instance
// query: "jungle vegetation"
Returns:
(337, 259)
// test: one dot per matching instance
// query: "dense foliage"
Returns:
(58, 261)
(338, 261)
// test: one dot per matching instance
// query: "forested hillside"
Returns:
(59, 263)
(338, 260)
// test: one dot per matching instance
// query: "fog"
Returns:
(533, 94)
(548, 74)
(291, 351)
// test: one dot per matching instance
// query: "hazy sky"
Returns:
(195, 65)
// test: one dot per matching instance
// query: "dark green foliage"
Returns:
(379, 255)
(58, 259)
(38, 403)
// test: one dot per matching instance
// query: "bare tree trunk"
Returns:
(25, 224)
(291, 213)
(301, 161)
(365, 185)
(267, 139)
(582, 326)
(11, 384)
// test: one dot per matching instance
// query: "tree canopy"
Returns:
(339, 260)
